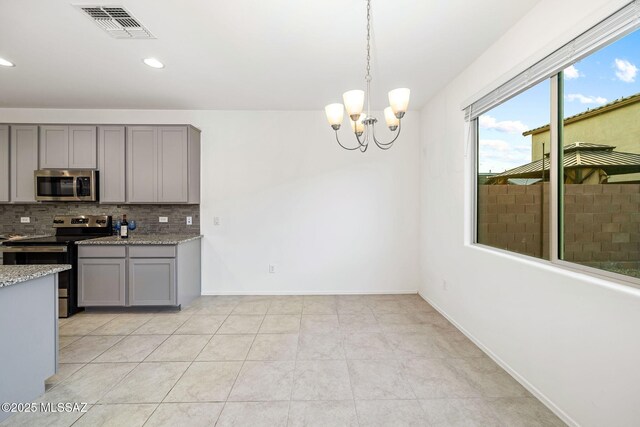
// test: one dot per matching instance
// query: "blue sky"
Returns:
(604, 76)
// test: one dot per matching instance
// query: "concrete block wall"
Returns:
(601, 227)
(514, 217)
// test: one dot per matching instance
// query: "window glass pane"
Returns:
(513, 178)
(601, 149)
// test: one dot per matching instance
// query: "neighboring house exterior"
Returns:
(615, 124)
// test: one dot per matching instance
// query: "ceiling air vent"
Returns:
(117, 22)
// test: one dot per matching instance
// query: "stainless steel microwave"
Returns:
(66, 185)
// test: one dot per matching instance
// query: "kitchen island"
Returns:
(143, 270)
(28, 331)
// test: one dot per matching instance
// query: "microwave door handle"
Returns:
(76, 183)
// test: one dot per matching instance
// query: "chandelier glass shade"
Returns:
(363, 123)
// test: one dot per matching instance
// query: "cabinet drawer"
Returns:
(152, 251)
(85, 251)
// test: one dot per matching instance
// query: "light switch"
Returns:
(25, 219)
(163, 219)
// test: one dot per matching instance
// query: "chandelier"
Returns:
(363, 124)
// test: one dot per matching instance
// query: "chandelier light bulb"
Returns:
(335, 115)
(354, 103)
(391, 119)
(362, 122)
(399, 101)
(357, 126)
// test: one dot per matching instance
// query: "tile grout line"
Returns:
(190, 364)
(128, 373)
(241, 366)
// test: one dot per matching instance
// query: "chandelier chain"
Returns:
(368, 76)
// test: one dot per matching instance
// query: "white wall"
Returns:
(331, 221)
(572, 339)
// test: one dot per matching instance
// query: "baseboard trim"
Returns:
(523, 381)
(394, 291)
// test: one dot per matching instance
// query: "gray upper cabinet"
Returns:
(173, 164)
(68, 147)
(163, 164)
(24, 160)
(142, 164)
(4, 163)
(111, 164)
(82, 147)
(54, 147)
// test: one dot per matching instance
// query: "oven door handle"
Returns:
(33, 249)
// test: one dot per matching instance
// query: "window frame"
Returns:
(556, 187)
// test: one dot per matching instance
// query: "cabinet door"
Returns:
(101, 282)
(82, 147)
(173, 165)
(111, 164)
(152, 281)
(4, 163)
(142, 161)
(54, 147)
(24, 160)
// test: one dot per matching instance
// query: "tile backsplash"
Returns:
(146, 216)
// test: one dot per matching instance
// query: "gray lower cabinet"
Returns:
(4, 163)
(111, 163)
(24, 160)
(101, 282)
(138, 275)
(152, 281)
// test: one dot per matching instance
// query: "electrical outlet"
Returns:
(272, 268)
(163, 219)
(189, 220)
(25, 219)
(216, 220)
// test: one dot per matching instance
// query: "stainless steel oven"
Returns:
(49, 254)
(66, 185)
(59, 249)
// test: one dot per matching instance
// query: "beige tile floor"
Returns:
(375, 360)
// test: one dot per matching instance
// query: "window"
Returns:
(601, 144)
(558, 155)
(512, 185)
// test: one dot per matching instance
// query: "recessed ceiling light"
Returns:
(6, 63)
(153, 63)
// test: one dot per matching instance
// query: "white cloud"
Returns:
(586, 99)
(507, 126)
(572, 72)
(625, 70)
(497, 155)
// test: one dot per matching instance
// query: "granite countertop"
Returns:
(142, 239)
(12, 274)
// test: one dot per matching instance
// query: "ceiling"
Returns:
(241, 55)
